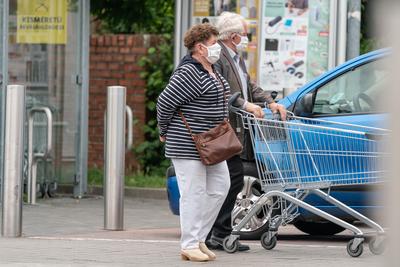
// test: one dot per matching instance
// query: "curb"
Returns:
(133, 192)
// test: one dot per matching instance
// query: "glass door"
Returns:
(45, 54)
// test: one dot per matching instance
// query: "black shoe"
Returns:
(215, 243)
(242, 247)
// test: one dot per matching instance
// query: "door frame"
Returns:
(3, 86)
(81, 151)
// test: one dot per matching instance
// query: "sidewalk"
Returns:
(68, 232)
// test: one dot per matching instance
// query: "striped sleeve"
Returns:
(183, 87)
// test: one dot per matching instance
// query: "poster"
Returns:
(249, 9)
(294, 43)
(42, 21)
(209, 10)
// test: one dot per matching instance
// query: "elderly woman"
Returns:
(198, 91)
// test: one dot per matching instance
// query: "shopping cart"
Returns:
(301, 156)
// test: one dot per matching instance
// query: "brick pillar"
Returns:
(114, 61)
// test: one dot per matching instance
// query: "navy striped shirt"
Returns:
(200, 97)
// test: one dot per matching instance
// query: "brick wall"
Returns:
(113, 61)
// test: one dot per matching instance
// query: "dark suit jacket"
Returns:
(226, 66)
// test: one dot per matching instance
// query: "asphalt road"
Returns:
(69, 232)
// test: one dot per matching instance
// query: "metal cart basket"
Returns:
(300, 156)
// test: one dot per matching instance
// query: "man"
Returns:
(233, 38)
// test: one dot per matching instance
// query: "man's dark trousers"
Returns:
(223, 224)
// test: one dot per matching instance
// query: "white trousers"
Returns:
(203, 190)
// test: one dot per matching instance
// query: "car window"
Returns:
(356, 91)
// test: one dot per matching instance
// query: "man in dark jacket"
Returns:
(233, 38)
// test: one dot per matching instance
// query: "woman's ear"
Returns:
(200, 48)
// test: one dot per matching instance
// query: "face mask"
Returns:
(242, 45)
(213, 52)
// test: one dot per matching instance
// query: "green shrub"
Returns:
(158, 66)
(134, 16)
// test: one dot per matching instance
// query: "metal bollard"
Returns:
(13, 162)
(114, 158)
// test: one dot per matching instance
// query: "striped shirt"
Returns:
(200, 97)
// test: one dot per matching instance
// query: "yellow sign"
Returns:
(42, 21)
(202, 8)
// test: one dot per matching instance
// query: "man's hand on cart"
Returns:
(254, 109)
(275, 108)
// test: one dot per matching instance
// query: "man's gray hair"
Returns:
(229, 23)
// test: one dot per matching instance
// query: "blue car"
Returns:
(347, 94)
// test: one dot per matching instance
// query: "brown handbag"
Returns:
(217, 144)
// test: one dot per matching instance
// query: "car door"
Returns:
(352, 97)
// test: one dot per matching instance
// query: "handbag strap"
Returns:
(223, 90)
(183, 117)
(186, 123)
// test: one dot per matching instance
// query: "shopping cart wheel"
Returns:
(230, 249)
(377, 245)
(267, 242)
(357, 251)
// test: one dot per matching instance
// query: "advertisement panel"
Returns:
(289, 39)
(294, 45)
(209, 10)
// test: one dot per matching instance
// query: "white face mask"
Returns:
(213, 52)
(242, 45)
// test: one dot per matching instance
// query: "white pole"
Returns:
(13, 162)
(354, 26)
(333, 18)
(114, 160)
(178, 32)
(342, 32)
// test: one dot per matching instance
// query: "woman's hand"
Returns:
(162, 139)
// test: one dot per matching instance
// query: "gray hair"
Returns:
(229, 23)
